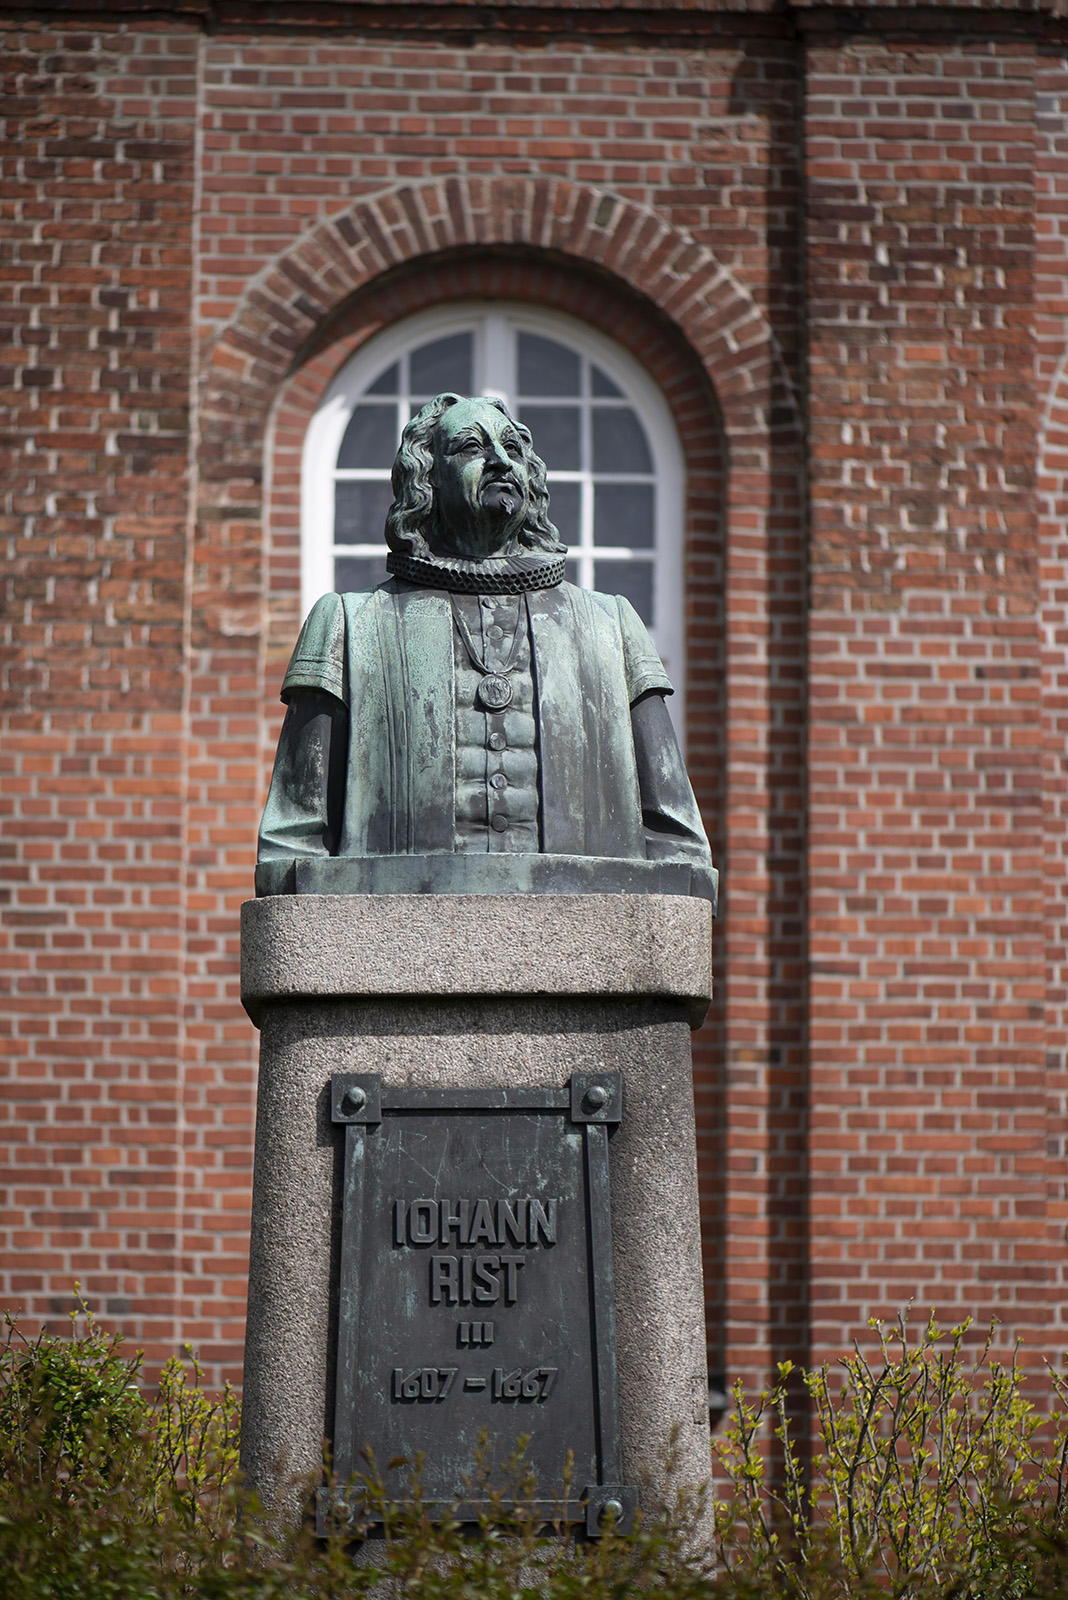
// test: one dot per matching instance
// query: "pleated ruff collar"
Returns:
(517, 574)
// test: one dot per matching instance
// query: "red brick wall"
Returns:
(801, 234)
(96, 280)
(1051, 303)
(928, 1073)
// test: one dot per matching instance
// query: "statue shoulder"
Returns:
(644, 669)
(319, 658)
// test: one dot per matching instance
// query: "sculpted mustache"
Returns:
(506, 491)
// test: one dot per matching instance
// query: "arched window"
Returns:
(598, 421)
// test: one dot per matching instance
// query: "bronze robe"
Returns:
(387, 657)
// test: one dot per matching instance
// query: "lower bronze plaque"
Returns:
(476, 1288)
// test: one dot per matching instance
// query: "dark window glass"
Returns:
(546, 367)
(634, 579)
(443, 366)
(600, 383)
(360, 512)
(571, 571)
(619, 443)
(352, 574)
(623, 514)
(557, 434)
(388, 382)
(564, 510)
(370, 438)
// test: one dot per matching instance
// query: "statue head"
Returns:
(467, 483)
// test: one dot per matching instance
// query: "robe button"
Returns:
(497, 741)
(495, 632)
(499, 824)
(499, 781)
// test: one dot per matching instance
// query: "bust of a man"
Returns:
(476, 723)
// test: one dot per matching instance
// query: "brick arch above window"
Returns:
(619, 266)
(285, 308)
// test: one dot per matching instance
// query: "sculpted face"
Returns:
(480, 480)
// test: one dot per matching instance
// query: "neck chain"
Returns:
(495, 690)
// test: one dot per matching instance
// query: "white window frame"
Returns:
(495, 326)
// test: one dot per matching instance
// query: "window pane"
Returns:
(388, 383)
(370, 438)
(546, 367)
(352, 574)
(564, 500)
(600, 383)
(634, 579)
(571, 571)
(619, 443)
(623, 514)
(360, 512)
(443, 366)
(557, 434)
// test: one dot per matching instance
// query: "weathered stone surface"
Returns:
(536, 1031)
(307, 946)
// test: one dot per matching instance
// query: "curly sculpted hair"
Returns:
(411, 522)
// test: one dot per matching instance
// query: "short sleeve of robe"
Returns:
(643, 667)
(318, 662)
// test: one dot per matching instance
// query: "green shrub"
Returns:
(106, 1494)
(193, 1448)
(71, 1410)
(932, 1478)
(932, 1474)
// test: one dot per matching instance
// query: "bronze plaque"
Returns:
(476, 1288)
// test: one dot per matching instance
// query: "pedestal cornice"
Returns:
(314, 947)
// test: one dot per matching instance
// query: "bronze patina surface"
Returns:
(475, 704)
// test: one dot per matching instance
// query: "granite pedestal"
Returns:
(464, 991)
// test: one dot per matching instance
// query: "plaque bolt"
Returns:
(595, 1097)
(353, 1100)
(612, 1510)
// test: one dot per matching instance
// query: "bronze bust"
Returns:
(476, 723)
